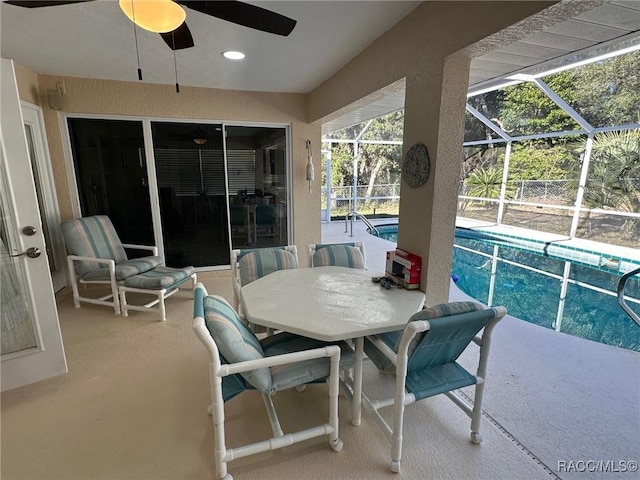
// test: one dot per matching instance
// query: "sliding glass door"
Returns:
(111, 175)
(203, 190)
(258, 192)
(190, 175)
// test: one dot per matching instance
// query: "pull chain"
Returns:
(175, 65)
(135, 34)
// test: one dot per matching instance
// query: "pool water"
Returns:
(530, 285)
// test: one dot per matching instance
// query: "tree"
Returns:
(614, 175)
(527, 110)
(607, 93)
(381, 160)
(485, 183)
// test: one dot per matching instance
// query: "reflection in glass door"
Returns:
(190, 173)
(214, 191)
(257, 175)
(111, 174)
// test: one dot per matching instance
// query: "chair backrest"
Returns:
(452, 327)
(266, 215)
(234, 343)
(238, 215)
(92, 237)
(251, 264)
(351, 255)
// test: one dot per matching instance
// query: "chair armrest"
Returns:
(331, 351)
(77, 258)
(152, 248)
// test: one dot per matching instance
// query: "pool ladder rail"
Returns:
(349, 217)
(623, 304)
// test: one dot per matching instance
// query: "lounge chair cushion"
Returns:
(260, 262)
(293, 374)
(93, 237)
(338, 255)
(235, 341)
(159, 278)
(124, 270)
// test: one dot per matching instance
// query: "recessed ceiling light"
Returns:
(233, 55)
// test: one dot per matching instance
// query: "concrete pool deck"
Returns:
(559, 398)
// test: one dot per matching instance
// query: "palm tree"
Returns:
(614, 175)
(484, 183)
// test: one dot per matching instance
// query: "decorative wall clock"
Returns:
(416, 166)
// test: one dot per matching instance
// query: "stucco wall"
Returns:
(27, 84)
(105, 97)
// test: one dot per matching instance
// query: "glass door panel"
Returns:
(111, 174)
(257, 172)
(16, 328)
(190, 173)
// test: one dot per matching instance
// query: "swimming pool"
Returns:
(567, 290)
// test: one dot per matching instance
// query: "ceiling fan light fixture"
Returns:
(159, 16)
(233, 55)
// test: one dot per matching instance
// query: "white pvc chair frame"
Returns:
(104, 300)
(403, 398)
(312, 249)
(223, 455)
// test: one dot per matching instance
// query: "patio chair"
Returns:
(350, 255)
(238, 361)
(248, 265)
(240, 224)
(97, 256)
(266, 222)
(423, 357)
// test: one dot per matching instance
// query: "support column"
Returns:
(434, 115)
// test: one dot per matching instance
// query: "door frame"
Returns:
(32, 115)
(151, 170)
(47, 358)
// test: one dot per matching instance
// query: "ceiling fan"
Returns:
(232, 11)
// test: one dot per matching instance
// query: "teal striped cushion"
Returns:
(294, 374)
(125, 269)
(92, 237)
(257, 263)
(339, 256)
(159, 278)
(235, 341)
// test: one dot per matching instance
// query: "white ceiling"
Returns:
(598, 31)
(96, 40)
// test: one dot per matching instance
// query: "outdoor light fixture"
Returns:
(233, 55)
(200, 141)
(160, 16)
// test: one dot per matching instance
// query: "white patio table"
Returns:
(330, 303)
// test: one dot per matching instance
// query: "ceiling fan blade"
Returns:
(179, 38)
(244, 14)
(36, 4)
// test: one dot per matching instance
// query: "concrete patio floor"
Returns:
(573, 405)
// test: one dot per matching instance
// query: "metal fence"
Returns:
(375, 200)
